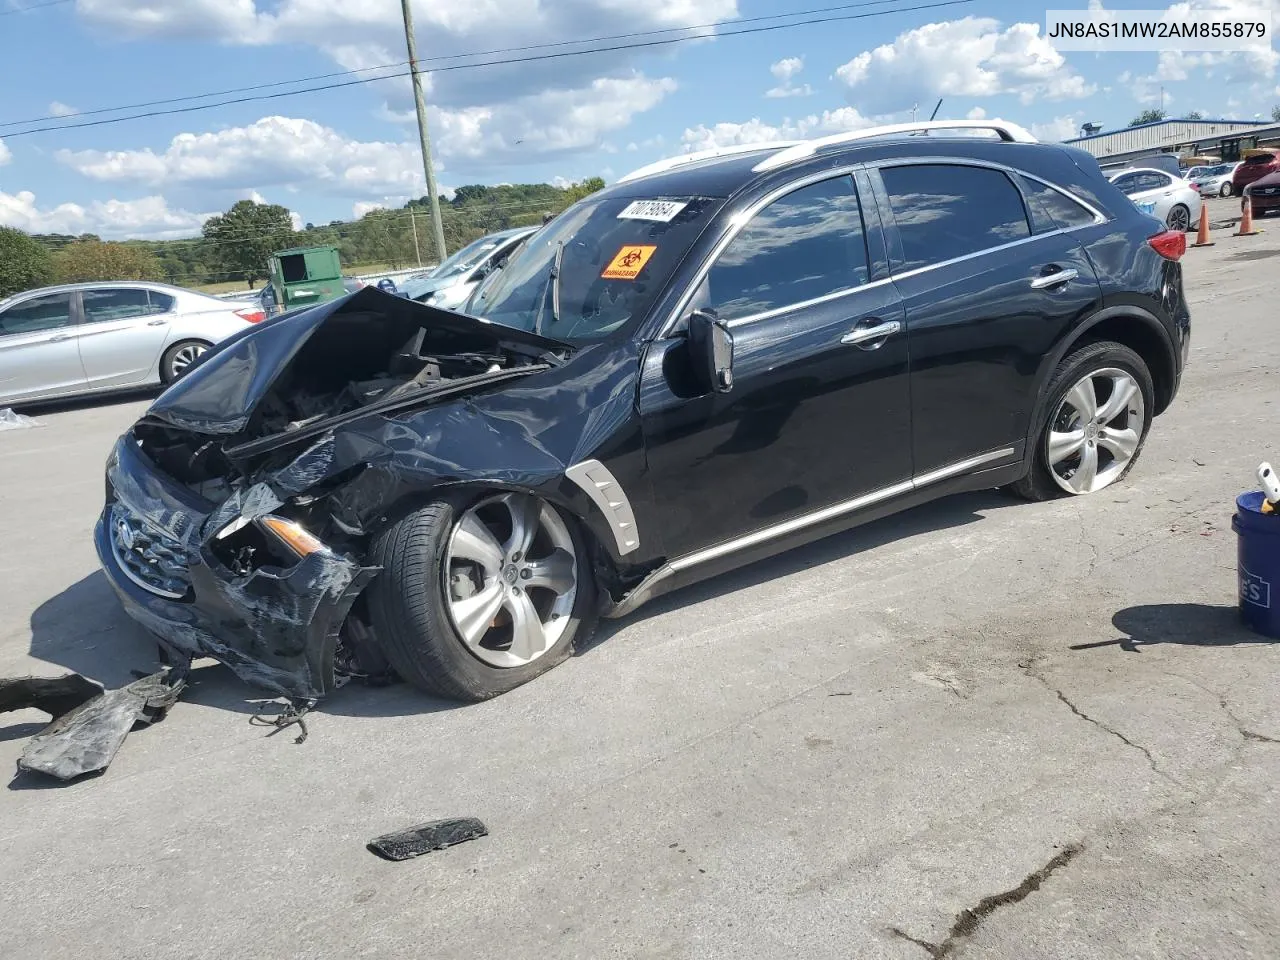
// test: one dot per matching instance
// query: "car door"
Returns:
(819, 411)
(986, 298)
(122, 334)
(38, 354)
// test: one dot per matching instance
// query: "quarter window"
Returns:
(944, 211)
(39, 313)
(803, 246)
(1052, 209)
(121, 303)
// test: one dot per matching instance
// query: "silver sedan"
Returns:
(86, 338)
(1165, 197)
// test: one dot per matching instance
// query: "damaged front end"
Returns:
(217, 532)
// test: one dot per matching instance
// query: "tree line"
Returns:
(236, 245)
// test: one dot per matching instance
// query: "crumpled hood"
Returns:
(220, 394)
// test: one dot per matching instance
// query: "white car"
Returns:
(84, 338)
(449, 285)
(1213, 181)
(1166, 197)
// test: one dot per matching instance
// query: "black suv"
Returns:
(706, 363)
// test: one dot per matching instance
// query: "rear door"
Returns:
(38, 355)
(819, 411)
(990, 282)
(123, 331)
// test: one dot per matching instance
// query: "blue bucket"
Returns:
(1258, 564)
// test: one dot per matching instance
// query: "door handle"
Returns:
(158, 322)
(864, 336)
(1053, 279)
(60, 337)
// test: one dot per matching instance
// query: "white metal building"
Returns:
(1221, 138)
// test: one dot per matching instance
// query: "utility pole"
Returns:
(420, 104)
(413, 222)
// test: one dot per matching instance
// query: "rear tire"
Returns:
(179, 358)
(1225, 190)
(1179, 218)
(415, 606)
(1104, 363)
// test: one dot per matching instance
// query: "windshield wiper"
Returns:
(553, 281)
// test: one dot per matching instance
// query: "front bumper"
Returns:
(276, 628)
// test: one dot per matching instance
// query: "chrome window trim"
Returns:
(645, 589)
(749, 214)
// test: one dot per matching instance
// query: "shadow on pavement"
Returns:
(955, 511)
(1190, 624)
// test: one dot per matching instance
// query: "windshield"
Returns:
(463, 260)
(613, 257)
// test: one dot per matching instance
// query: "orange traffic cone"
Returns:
(1246, 219)
(1202, 235)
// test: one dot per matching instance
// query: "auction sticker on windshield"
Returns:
(661, 210)
(628, 263)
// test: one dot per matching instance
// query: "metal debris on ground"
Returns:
(9, 420)
(436, 835)
(87, 739)
(290, 712)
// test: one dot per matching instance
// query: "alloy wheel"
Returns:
(1096, 430)
(184, 358)
(510, 575)
(1179, 219)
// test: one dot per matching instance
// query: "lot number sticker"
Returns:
(661, 210)
(628, 263)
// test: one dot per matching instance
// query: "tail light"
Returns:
(252, 314)
(1171, 244)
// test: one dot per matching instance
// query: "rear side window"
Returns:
(944, 211)
(1052, 209)
(805, 245)
(1153, 181)
(119, 304)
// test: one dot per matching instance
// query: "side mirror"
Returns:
(711, 351)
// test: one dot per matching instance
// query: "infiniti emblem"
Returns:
(125, 533)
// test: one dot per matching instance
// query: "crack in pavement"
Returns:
(968, 921)
(1244, 732)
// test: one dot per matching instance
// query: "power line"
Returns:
(768, 28)
(448, 57)
(33, 6)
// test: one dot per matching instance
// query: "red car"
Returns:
(1264, 194)
(1258, 162)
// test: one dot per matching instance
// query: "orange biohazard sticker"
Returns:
(628, 263)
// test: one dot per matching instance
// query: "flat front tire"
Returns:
(477, 597)
(1099, 409)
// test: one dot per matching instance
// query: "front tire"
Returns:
(478, 597)
(1096, 421)
(1225, 190)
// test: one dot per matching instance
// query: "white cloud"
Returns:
(552, 122)
(755, 130)
(361, 207)
(1146, 89)
(220, 19)
(148, 217)
(59, 109)
(5, 155)
(273, 151)
(1229, 67)
(977, 113)
(785, 71)
(968, 57)
(1057, 129)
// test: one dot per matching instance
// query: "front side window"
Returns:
(944, 211)
(596, 268)
(805, 245)
(101, 306)
(37, 314)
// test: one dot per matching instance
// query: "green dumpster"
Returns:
(305, 276)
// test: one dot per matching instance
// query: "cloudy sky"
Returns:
(334, 154)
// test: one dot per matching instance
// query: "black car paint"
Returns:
(816, 436)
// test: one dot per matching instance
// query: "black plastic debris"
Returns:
(426, 837)
(52, 695)
(86, 739)
(289, 713)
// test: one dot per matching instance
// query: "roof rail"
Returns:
(681, 159)
(1009, 132)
